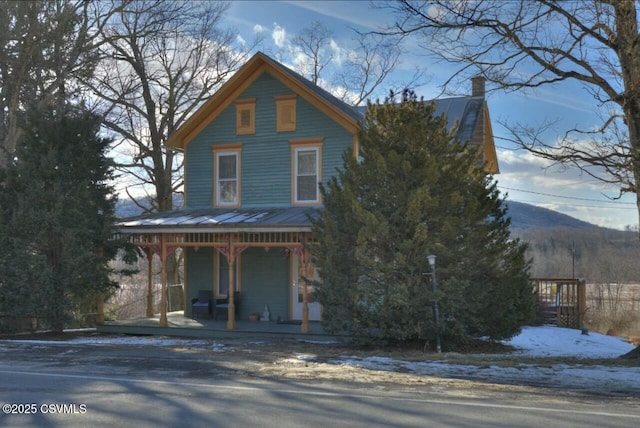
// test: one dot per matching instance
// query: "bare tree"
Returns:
(524, 44)
(45, 46)
(312, 43)
(359, 69)
(368, 66)
(163, 59)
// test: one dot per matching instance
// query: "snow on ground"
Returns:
(533, 342)
(551, 341)
(131, 341)
(547, 341)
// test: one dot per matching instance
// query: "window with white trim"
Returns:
(306, 168)
(227, 177)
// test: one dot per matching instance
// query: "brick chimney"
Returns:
(477, 86)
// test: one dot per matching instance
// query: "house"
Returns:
(254, 154)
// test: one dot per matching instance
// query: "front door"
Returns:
(301, 271)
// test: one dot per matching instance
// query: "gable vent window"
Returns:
(246, 116)
(286, 113)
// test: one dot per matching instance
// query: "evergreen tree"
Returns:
(56, 212)
(415, 190)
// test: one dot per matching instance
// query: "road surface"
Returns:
(65, 385)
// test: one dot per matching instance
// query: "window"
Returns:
(286, 113)
(222, 278)
(306, 165)
(246, 116)
(227, 175)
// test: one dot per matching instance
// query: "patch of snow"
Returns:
(306, 357)
(129, 341)
(551, 341)
(319, 342)
(534, 342)
(548, 341)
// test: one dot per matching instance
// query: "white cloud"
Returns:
(435, 12)
(337, 52)
(531, 179)
(257, 29)
(279, 35)
(354, 13)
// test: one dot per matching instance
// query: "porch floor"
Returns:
(179, 325)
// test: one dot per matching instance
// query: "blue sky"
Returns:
(523, 177)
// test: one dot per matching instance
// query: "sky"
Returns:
(533, 342)
(523, 177)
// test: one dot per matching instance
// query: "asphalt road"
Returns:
(44, 385)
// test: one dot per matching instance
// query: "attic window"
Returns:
(246, 116)
(286, 113)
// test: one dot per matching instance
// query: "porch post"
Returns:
(149, 283)
(231, 312)
(100, 309)
(582, 302)
(163, 297)
(304, 328)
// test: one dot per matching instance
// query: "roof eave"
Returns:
(149, 230)
(235, 85)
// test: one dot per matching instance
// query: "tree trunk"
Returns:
(628, 50)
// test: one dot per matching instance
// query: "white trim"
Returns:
(218, 181)
(297, 150)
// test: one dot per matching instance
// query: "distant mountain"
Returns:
(526, 216)
(561, 246)
(126, 208)
(523, 216)
(558, 244)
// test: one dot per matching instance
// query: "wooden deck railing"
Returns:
(561, 301)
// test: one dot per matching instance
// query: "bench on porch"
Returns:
(222, 307)
(202, 305)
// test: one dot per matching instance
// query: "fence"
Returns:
(130, 301)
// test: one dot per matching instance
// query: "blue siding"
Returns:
(266, 155)
(265, 281)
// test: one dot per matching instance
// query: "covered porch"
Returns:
(179, 325)
(225, 234)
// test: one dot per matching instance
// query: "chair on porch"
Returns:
(222, 307)
(202, 305)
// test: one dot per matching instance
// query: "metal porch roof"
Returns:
(222, 220)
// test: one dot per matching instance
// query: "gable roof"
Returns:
(465, 111)
(462, 110)
(260, 63)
